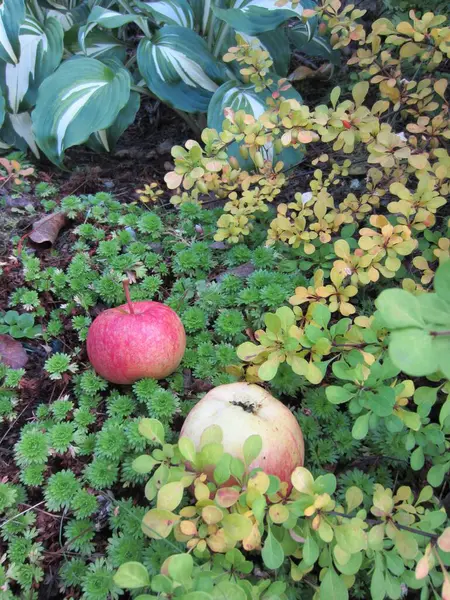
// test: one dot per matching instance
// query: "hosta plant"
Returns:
(67, 78)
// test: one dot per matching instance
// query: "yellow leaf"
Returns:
(279, 513)
(359, 92)
(259, 481)
(409, 49)
(212, 515)
(170, 495)
(418, 161)
(303, 481)
(158, 523)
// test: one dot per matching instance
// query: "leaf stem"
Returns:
(126, 289)
(438, 333)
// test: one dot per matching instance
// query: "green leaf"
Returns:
(187, 449)
(180, 567)
(411, 350)
(436, 474)
(81, 97)
(256, 16)
(152, 430)
(378, 584)
(442, 282)
(361, 427)
(237, 526)
(417, 459)
(399, 309)
(228, 590)
(222, 472)
(143, 464)
(12, 15)
(273, 322)
(333, 587)
(178, 67)
(310, 551)
(272, 551)
(444, 413)
(337, 395)
(268, 369)
(237, 468)
(351, 537)
(131, 575)
(252, 449)
(321, 315)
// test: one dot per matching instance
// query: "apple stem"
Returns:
(126, 289)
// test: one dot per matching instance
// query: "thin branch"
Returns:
(431, 536)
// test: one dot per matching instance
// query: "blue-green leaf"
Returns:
(169, 12)
(256, 16)
(178, 68)
(12, 14)
(83, 96)
(276, 43)
(241, 96)
(106, 139)
(309, 42)
(41, 53)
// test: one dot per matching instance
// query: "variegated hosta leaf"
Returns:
(202, 14)
(256, 16)
(41, 50)
(276, 43)
(98, 44)
(106, 139)
(83, 96)
(12, 14)
(109, 19)
(2, 110)
(17, 132)
(178, 68)
(312, 46)
(169, 12)
(240, 96)
(69, 18)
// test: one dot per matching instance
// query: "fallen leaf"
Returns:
(324, 72)
(12, 352)
(46, 230)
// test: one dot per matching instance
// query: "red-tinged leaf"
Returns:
(47, 229)
(226, 497)
(12, 352)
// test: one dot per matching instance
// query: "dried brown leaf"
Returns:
(12, 352)
(47, 229)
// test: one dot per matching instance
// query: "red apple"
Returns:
(136, 340)
(242, 410)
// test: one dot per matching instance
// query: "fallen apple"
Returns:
(242, 410)
(136, 340)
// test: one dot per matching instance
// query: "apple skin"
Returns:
(124, 347)
(283, 448)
